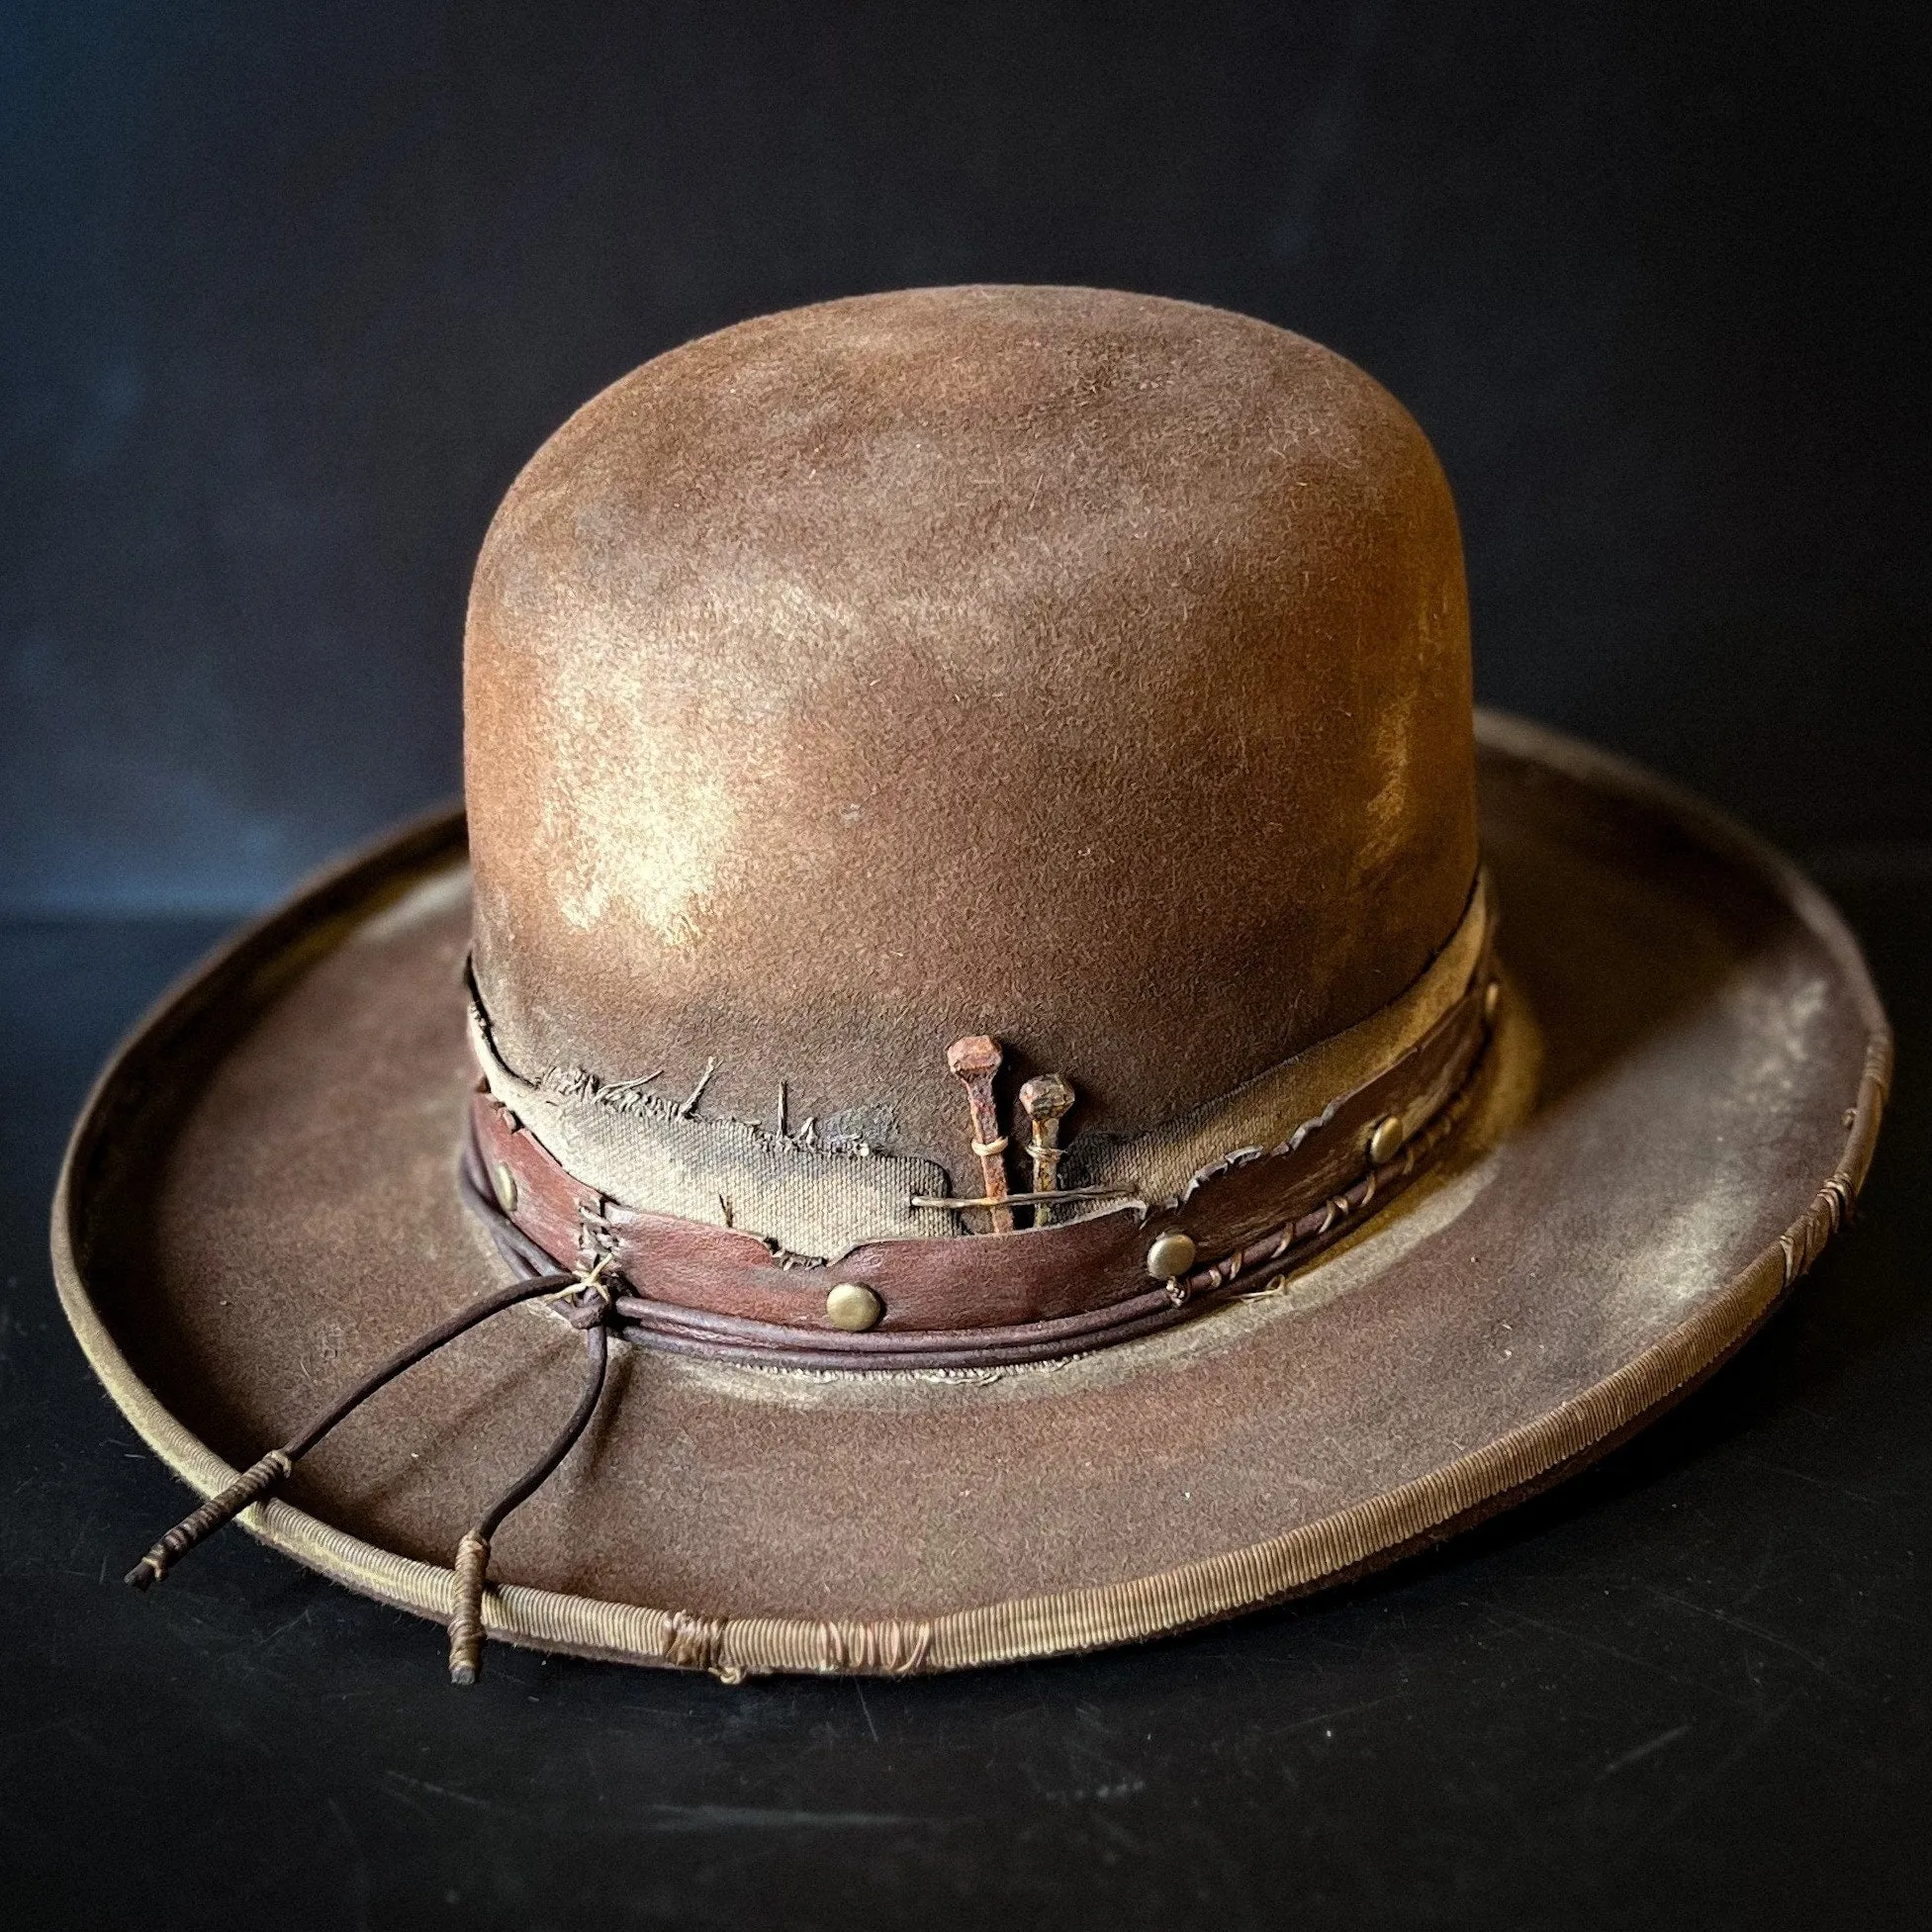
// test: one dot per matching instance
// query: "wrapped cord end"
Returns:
(466, 1622)
(254, 1482)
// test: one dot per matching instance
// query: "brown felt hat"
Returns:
(995, 993)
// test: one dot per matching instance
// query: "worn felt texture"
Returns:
(271, 1206)
(1084, 668)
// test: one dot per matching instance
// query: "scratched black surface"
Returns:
(1690, 1689)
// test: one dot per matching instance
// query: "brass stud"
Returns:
(1385, 1139)
(1491, 999)
(502, 1183)
(853, 1306)
(1172, 1255)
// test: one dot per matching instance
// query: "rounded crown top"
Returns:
(1083, 669)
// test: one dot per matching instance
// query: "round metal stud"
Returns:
(853, 1306)
(503, 1184)
(1385, 1139)
(1172, 1255)
(1491, 999)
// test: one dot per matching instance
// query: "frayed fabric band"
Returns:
(650, 1322)
(1126, 1268)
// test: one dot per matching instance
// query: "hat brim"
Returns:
(260, 1201)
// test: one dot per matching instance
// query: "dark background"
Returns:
(287, 294)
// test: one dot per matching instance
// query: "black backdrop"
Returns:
(289, 292)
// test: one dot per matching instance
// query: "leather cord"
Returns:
(473, 1551)
(589, 1306)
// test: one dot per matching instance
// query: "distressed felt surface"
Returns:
(1688, 1689)
(1700, 1049)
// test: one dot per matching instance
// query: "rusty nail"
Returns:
(974, 1062)
(1045, 1100)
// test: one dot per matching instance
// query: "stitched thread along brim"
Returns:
(1170, 1597)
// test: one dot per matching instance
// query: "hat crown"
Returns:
(1082, 669)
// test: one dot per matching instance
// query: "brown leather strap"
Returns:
(983, 1300)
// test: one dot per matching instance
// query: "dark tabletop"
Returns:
(1690, 1689)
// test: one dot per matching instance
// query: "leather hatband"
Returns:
(985, 1300)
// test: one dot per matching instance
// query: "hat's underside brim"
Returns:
(260, 1202)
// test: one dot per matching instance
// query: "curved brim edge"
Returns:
(1367, 1536)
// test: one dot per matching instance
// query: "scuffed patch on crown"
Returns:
(647, 838)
